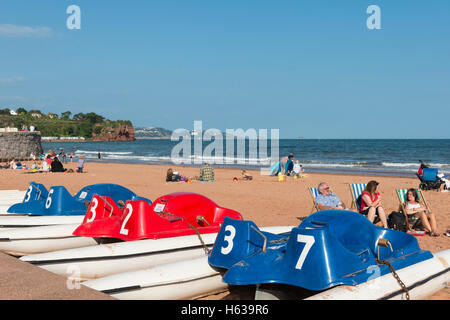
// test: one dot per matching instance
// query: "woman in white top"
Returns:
(414, 207)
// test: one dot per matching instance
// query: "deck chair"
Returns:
(314, 192)
(414, 221)
(355, 190)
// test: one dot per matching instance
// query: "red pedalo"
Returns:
(172, 215)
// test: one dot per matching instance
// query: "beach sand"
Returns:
(263, 200)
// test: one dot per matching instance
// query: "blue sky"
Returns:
(309, 68)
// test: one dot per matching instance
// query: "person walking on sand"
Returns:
(71, 156)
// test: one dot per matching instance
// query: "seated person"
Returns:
(371, 204)
(327, 200)
(206, 173)
(289, 166)
(34, 166)
(172, 176)
(45, 166)
(246, 176)
(413, 207)
(298, 170)
(422, 166)
(13, 164)
(57, 166)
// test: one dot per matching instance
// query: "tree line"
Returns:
(63, 125)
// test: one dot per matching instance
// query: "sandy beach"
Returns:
(263, 200)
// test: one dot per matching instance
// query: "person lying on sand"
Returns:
(246, 176)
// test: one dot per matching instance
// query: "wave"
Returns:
(103, 152)
(414, 165)
(193, 159)
(255, 161)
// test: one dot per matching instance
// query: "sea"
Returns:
(388, 157)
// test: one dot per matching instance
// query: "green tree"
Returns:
(66, 115)
(79, 116)
(21, 111)
(94, 118)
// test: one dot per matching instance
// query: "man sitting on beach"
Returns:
(327, 200)
(206, 173)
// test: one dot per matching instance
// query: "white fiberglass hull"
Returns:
(422, 280)
(13, 193)
(7, 202)
(26, 221)
(23, 241)
(186, 279)
(108, 259)
(10, 197)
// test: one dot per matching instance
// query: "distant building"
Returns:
(36, 115)
(53, 115)
(13, 113)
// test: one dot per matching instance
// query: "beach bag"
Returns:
(397, 221)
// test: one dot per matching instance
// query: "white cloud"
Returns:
(15, 31)
(11, 80)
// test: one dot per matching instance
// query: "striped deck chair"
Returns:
(314, 192)
(414, 221)
(356, 189)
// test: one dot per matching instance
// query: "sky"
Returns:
(311, 69)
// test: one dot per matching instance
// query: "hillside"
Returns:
(89, 125)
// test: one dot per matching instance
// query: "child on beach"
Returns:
(298, 170)
(80, 164)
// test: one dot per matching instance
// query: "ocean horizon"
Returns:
(393, 157)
